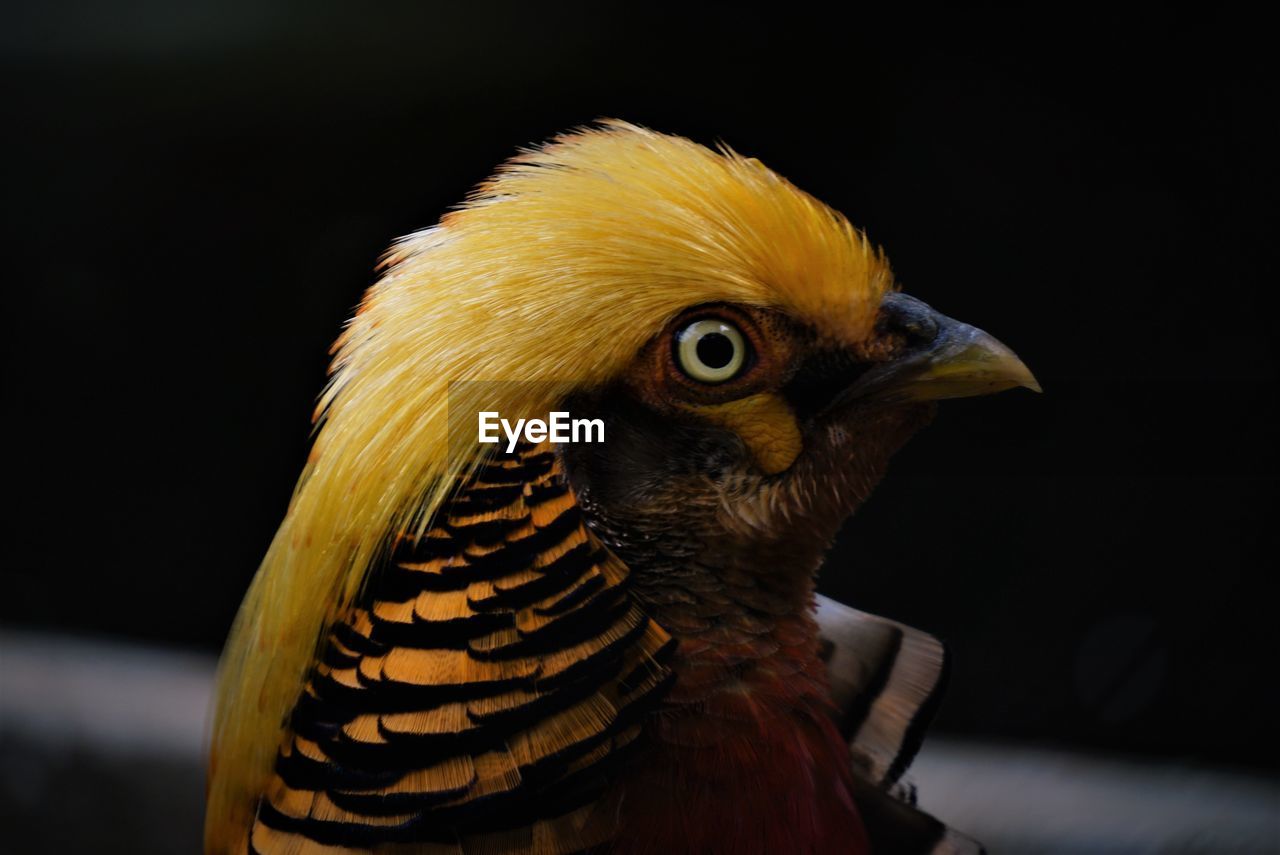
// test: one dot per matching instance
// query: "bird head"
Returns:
(745, 346)
(741, 436)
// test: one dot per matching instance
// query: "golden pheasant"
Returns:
(612, 646)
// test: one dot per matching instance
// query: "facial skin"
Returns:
(738, 487)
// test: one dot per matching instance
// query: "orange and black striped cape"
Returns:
(496, 668)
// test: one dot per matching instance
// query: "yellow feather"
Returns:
(765, 423)
(550, 278)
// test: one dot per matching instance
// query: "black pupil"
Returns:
(715, 350)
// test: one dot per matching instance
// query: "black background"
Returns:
(197, 194)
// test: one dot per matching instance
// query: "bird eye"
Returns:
(711, 350)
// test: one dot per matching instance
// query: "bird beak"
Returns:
(944, 358)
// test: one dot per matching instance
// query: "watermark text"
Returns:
(558, 427)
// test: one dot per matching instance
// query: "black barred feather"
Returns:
(492, 674)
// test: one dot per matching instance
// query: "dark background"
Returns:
(197, 194)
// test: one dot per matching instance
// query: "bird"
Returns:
(614, 646)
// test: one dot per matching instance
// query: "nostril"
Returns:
(908, 317)
(919, 329)
(915, 329)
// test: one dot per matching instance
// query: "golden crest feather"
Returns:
(554, 273)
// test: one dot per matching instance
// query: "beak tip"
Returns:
(1026, 380)
(1004, 362)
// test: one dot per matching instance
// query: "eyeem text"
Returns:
(558, 427)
